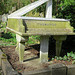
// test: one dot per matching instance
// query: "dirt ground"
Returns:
(31, 59)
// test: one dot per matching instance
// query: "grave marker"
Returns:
(45, 27)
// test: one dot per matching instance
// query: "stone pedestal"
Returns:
(21, 46)
(59, 40)
(44, 48)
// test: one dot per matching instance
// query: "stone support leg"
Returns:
(59, 40)
(58, 47)
(21, 46)
(44, 48)
(17, 47)
(21, 51)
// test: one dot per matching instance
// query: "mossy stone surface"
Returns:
(16, 24)
(40, 26)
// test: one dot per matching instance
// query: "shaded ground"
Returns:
(31, 59)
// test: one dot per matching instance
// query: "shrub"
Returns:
(67, 11)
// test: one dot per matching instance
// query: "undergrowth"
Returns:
(69, 57)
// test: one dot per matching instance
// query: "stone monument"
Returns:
(24, 27)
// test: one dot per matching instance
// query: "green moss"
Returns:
(40, 27)
(16, 24)
(4, 55)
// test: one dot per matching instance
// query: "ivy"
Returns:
(70, 56)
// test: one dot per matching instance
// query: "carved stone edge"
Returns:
(6, 66)
(29, 34)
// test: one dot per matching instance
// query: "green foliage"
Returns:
(65, 58)
(73, 62)
(5, 6)
(33, 40)
(1, 7)
(66, 10)
(66, 2)
(8, 39)
(25, 2)
(8, 35)
(3, 24)
(60, 58)
(70, 56)
(52, 58)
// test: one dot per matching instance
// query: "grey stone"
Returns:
(59, 39)
(71, 69)
(21, 46)
(39, 72)
(58, 69)
(44, 49)
(4, 18)
(7, 69)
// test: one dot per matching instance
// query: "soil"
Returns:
(32, 51)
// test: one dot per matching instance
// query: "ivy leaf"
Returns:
(68, 54)
(73, 62)
(60, 58)
(65, 58)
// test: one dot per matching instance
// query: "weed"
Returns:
(70, 56)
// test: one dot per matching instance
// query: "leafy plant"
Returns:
(8, 39)
(66, 10)
(33, 40)
(73, 62)
(65, 58)
(70, 56)
(60, 58)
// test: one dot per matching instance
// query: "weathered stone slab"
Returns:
(39, 72)
(39, 26)
(7, 69)
(71, 69)
(58, 69)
